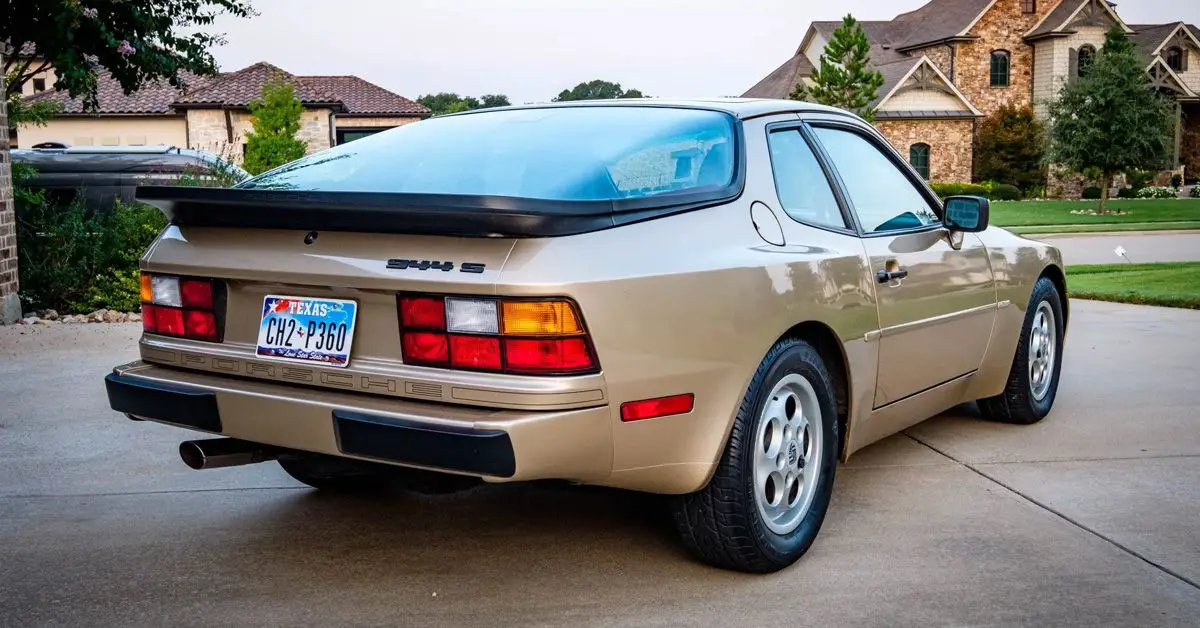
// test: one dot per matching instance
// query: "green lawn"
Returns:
(1174, 284)
(1148, 214)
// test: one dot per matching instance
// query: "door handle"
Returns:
(888, 276)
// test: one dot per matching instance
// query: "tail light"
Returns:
(185, 307)
(518, 336)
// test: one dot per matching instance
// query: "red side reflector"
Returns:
(567, 354)
(200, 325)
(196, 294)
(148, 322)
(423, 312)
(168, 321)
(426, 347)
(654, 408)
(475, 352)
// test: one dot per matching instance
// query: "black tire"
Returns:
(1017, 404)
(335, 475)
(721, 524)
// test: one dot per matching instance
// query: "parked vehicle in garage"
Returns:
(715, 301)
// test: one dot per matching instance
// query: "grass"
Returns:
(1147, 214)
(1173, 284)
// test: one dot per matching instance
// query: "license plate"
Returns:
(307, 330)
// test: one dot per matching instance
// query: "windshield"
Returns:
(569, 153)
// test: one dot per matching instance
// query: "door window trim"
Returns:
(843, 202)
(891, 155)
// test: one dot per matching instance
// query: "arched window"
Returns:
(918, 157)
(1087, 56)
(1000, 68)
(1174, 58)
(1028, 6)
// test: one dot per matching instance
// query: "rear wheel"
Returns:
(1033, 380)
(766, 502)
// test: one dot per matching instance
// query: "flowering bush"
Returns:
(1196, 191)
(1157, 192)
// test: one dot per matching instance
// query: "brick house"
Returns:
(951, 62)
(212, 113)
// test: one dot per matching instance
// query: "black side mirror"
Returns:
(967, 213)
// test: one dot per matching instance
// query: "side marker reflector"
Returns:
(660, 407)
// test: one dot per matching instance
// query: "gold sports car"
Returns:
(712, 300)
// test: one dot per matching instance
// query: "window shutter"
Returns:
(1073, 72)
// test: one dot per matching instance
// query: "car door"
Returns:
(934, 289)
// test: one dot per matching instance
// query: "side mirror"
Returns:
(968, 214)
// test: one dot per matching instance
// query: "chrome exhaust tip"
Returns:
(215, 453)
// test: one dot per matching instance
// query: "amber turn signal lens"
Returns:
(540, 318)
(147, 290)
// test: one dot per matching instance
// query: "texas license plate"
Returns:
(307, 330)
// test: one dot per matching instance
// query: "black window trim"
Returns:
(843, 202)
(1007, 68)
(890, 153)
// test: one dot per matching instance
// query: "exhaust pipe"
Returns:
(215, 453)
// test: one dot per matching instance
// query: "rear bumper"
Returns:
(497, 445)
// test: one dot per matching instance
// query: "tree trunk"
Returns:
(1105, 184)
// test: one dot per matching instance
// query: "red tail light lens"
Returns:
(654, 408)
(519, 336)
(180, 306)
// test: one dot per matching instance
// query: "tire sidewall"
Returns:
(1044, 291)
(784, 549)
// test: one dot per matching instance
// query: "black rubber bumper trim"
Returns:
(170, 403)
(483, 452)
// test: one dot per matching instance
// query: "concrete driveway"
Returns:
(1091, 518)
(1140, 247)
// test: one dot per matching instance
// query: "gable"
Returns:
(921, 87)
(1181, 37)
(1071, 15)
(1164, 78)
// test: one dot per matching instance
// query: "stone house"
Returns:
(950, 63)
(212, 113)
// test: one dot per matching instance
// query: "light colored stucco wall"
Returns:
(924, 100)
(47, 75)
(107, 131)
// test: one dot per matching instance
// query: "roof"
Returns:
(1148, 37)
(936, 21)
(363, 97)
(153, 98)
(345, 94)
(1054, 19)
(893, 73)
(781, 82)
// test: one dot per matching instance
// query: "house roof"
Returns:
(1055, 19)
(345, 94)
(1148, 37)
(936, 21)
(779, 84)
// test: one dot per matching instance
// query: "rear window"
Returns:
(571, 153)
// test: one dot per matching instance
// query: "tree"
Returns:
(843, 79)
(276, 121)
(1011, 148)
(1111, 119)
(597, 90)
(136, 42)
(450, 102)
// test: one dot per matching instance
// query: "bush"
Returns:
(1195, 191)
(1126, 193)
(1139, 179)
(959, 189)
(1004, 192)
(74, 261)
(1157, 192)
(1091, 193)
(1176, 181)
(1010, 147)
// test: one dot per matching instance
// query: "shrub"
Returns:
(74, 261)
(1139, 179)
(1010, 147)
(1091, 193)
(959, 189)
(1004, 192)
(1195, 191)
(1157, 192)
(1176, 181)
(1126, 193)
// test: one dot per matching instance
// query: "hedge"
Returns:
(992, 191)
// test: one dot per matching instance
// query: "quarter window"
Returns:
(918, 157)
(1000, 68)
(883, 197)
(804, 192)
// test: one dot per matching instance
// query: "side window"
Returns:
(883, 197)
(804, 192)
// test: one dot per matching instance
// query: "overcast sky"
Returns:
(532, 49)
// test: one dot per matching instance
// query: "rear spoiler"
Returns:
(419, 214)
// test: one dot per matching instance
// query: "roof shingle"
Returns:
(363, 97)
(154, 98)
(240, 88)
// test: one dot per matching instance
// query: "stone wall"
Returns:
(345, 122)
(941, 56)
(950, 145)
(1002, 28)
(210, 130)
(10, 304)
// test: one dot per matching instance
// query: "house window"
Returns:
(1174, 58)
(918, 157)
(355, 133)
(1028, 6)
(1087, 56)
(1000, 67)
(39, 85)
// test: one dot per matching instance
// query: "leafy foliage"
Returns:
(450, 102)
(1195, 193)
(843, 79)
(597, 90)
(958, 189)
(1157, 192)
(20, 112)
(1091, 193)
(273, 141)
(1011, 148)
(1003, 192)
(135, 41)
(1111, 119)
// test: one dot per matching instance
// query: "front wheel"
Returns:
(1033, 379)
(768, 497)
